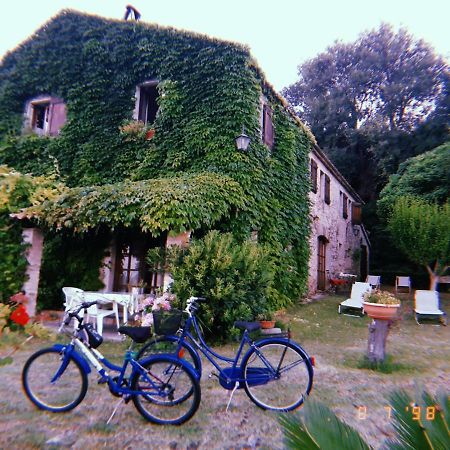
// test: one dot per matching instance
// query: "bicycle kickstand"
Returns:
(236, 385)
(115, 409)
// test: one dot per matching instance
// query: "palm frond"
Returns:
(317, 427)
(421, 423)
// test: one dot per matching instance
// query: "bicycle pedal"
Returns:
(102, 380)
(127, 398)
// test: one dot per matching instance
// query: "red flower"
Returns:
(20, 315)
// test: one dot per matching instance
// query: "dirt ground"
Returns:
(420, 356)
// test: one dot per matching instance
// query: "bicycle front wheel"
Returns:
(57, 395)
(278, 375)
(167, 393)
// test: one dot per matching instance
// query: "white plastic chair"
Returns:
(374, 281)
(75, 296)
(355, 302)
(426, 305)
(402, 282)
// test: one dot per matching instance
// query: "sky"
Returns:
(281, 34)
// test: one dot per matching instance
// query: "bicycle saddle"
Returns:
(138, 334)
(249, 326)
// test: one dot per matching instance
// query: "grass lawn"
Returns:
(419, 356)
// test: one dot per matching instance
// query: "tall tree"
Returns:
(421, 230)
(364, 101)
(384, 78)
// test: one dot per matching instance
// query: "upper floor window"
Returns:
(326, 190)
(146, 102)
(267, 130)
(45, 116)
(313, 170)
(344, 205)
(356, 214)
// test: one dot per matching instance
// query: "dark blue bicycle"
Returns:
(163, 388)
(275, 372)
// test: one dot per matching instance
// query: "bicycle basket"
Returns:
(167, 322)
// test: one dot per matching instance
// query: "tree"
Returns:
(384, 78)
(421, 230)
(365, 100)
(425, 176)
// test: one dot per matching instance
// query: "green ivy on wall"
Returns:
(208, 90)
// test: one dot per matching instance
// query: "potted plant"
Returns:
(266, 320)
(381, 305)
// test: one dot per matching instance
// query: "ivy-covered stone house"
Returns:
(135, 126)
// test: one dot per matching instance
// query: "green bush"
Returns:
(236, 279)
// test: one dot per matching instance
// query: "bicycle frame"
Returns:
(96, 359)
(230, 375)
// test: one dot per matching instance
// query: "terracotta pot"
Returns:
(267, 323)
(379, 311)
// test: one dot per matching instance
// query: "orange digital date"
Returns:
(417, 412)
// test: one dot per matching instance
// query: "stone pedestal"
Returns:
(35, 238)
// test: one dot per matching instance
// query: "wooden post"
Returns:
(378, 332)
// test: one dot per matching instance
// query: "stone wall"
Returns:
(343, 240)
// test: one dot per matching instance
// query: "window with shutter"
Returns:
(344, 206)
(267, 126)
(45, 116)
(326, 192)
(146, 102)
(356, 214)
(313, 176)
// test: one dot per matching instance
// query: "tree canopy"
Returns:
(384, 78)
(365, 100)
(426, 176)
(421, 230)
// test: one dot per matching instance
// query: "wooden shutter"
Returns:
(58, 117)
(268, 132)
(356, 214)
(313, 176)
(327, 190)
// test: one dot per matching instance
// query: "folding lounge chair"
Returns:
(374, 281)
(427, 306)
(402, 282)
(354, 304)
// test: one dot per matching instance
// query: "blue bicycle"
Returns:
(276, 372)
(164, 389)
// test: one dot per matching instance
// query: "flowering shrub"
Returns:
(13, 317)
(152, 303)
(381, 297)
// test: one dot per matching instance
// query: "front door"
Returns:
(321, 263)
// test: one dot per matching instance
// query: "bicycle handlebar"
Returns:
(84, 305)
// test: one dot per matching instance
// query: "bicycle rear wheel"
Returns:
(169, 345)
(170, 392)
(62, 394)
(279, 377)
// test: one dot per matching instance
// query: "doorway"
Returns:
(321, 263)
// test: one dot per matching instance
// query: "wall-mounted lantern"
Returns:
(242, 141)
